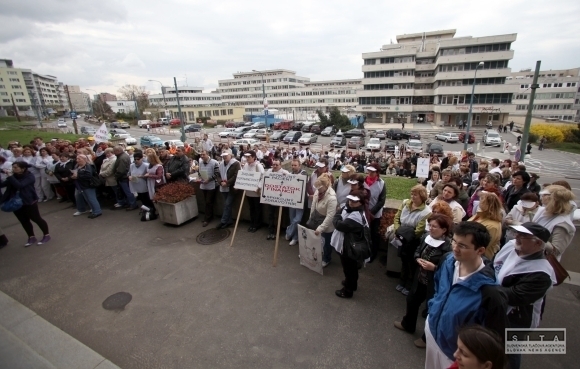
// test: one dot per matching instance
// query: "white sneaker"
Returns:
(79, 213)
(325, 264)
(293, 242)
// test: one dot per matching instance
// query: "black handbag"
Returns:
(361, 250)
(315, 220)
(96, 180)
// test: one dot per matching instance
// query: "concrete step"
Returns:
(29, 341)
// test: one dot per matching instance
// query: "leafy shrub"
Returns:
(174, 192)
(552, 132)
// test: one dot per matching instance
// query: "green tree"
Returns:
(336, 119)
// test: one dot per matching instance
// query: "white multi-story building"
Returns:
(80, 101)
(557, 96)
(122, 106)
(428, 77)
(287, 93)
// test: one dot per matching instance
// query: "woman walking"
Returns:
(85, 192)
(21, 183)
(349, 226)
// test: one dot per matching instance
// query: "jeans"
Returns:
(124, 185)
(228, 205)
(295, 218)
(88, 196)
(326, 248)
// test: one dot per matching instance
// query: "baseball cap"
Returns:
(352, 181)
(225, 153)
(353, 198)
(345, 170)
(372, 169)
(534, 229)
(320, 164)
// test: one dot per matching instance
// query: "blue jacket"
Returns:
(23, 183)
(474, 301)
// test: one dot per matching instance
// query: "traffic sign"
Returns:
(73, 115)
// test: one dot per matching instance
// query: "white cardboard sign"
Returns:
(422, 167)
(102, 134)
(283, 190)
(310, 246)
(247, 180)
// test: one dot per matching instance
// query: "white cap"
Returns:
(345, 170)
(352, 181)
(372, 169)
(353, 198)
(545, 192)
(527, 204)
(320, 165)
(225, 153)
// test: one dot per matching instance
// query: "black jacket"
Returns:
(522, 290)
(64, 171)
(353, 231)
(23, 183)
(512, 196)
(84, 175)
(381, 200)
(436, 257)
(178, 167)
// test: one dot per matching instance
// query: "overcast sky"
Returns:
(104, 44)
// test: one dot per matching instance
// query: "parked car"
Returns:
(411, 135)
(164, 121)
(88, 130)
(491, 137)
(192, 127)
(374, 144)
(234, 124)
(306, 127)
(61, 123)
(284, 125)
(225, 133)
(251, 133)
(471, 137)
(246, 141)
(328, 131)
(175, 122)
(118, 131)
(316, 129)
(115, 124)
(338, 141)
(278, 136)
(292, 137)
(150, 141)
(259, 125)
(239, 132)
(177, 143)
(435, 148)
(356, 142)
(297, 126)
(308, 138)
(390, 146)
(123, 124)
(144, 123)
(261, 134)
(395, 134)
(354, 132)
(447, 137)
(130, 140)
(380, 135)
(414, 146)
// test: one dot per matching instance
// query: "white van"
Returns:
(164, 121)
(143, 123)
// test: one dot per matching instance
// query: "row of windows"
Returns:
(496, 64)
(476, 49)
(389, 86)
(389, 73)
(477, 99)
(469, 82)
(402, 59)
(304, 101)
(551, 85)
(546, 107)
(403, 100)
(547, 96)
(14, 87)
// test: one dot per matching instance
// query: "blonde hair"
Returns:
(421, 191)
(350, 168)
(453, 160)
(490, 206)
(559, 200)
(153, 159)
(323, 180)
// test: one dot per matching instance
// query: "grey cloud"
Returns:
(64, 11)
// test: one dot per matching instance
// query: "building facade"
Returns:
(80, 101)
(122, 106)
(13, 88)
(557, 96)
(287, 94)
(105, 96)
(428, 77)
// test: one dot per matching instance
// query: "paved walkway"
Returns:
(28, 341)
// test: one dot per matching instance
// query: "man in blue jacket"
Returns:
(465, 293)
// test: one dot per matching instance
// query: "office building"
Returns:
(557, 96)
(80, 101)
(428, 77)
(122, 106)
(13, 89)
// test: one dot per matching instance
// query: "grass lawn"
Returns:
(572, 147)
(25, 136)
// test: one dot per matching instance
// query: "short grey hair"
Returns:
(108, 150)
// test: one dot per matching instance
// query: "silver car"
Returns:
(447, 137)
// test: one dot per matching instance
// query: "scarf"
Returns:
(371, 180)
(337, 238)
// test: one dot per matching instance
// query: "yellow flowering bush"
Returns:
(554, 133)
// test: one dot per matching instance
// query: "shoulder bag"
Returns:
(560, 272)
(13, 203)
(96, 180)
(315, 220)
(361, 250)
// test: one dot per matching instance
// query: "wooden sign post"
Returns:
(246, 181)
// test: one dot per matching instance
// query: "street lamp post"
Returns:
(264, 98)
(469, 116)
(179, 110)
(163, 93)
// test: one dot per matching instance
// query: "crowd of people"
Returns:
(473, 237)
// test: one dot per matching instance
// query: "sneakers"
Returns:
(287, 238)
(117, 205)
(93, 216)
(420, 343)
(405, 291)
(325, 264)
(31, 241)
(399, 288)
(45, 239)
(293, 242)
(79, 213)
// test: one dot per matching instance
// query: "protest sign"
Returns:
(310, 246)
(423, 168)
(102, 134)
(247, 181)
(283, 190)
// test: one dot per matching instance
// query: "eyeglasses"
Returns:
(460, 245)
